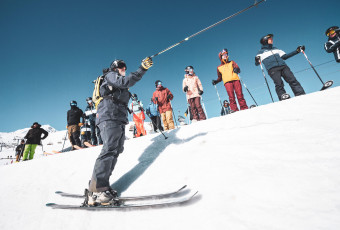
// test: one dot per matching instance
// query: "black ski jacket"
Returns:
(333, 45)
(74, 115)
(33, 136)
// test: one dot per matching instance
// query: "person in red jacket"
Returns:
(162, 96)
(228, 72)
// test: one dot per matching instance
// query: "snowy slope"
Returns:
(273, 167)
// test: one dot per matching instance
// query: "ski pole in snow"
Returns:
(207, 28)
(64, 141)
(247, 90)
(220, 100)
(325, 85)
(264, 75)
(204, 108)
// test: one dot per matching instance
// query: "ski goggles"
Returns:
(89, 101)
(159, 83)
(224, 52)
(330, 33)
(187, 70)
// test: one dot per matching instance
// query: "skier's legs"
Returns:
(193, 109)
(229, 86)
(165, 123)
(292, 81)
(199, 109)
(26, 152)
(239, 94)
(93, 133)
(154, 123)
(138, 124)
(159, 123)
(113, 135)
(32, 151)
(169, 119)
(76, 135)
(275, 73)
(69, 131)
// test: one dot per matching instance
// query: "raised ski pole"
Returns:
(247, 90)
(264, 75)
(207, 28)
(325, 85)
(220, 100)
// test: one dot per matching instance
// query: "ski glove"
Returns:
(214, 82)
(237, 70)
(300, 48)
(186, 88)
(147, 63)
(257, 59)
(168, 97)
(200, 92)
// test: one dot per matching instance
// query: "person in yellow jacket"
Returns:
(228, 73)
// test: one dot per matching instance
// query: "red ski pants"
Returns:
(196, 108)
(235, 87)
(139, 122)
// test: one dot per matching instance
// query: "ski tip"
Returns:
(50, 204)
(58, 192)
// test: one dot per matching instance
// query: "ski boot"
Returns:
(108, 197)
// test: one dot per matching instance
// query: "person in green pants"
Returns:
(34, 138)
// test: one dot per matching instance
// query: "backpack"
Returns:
(96, 97)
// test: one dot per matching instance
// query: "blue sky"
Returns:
(50, 51)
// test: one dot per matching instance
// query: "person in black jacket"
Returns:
(73, 122)
(19, 149)
(273, 59)
(34, 138)
(333, 43)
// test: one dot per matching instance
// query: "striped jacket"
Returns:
(333, 45)
(273, 57)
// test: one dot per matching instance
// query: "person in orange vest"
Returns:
(228, 73)
(136, 107)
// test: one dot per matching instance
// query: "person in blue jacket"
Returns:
(112, 117)
(273, 59)
(152, 112)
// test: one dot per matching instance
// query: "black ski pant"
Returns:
(74, 135)
(113, 136)
(284, 71)
(156, 122)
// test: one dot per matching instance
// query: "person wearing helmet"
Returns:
(136, 108)
(333, 43)
(90, 118)
(274, 61)
(73, 125)
(162, 97)
(228, 71)
(33, 139)
(193, 89)
(112, 117)
(225, 108)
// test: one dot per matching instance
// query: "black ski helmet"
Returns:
(188, 69)
(330, 29)
(157, 83)
(264, 39)
(134, 96)
(89, 99)
(117, 64)
(73, 103)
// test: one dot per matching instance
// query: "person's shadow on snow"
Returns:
(149, 155)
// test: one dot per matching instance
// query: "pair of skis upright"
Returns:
(164, 199)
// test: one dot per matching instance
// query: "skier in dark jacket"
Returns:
(19, 150)
(273, 60)
(34, 138)
(225, 108)
(333, 43)
(73, 125)
(111, 119)
(90, 116)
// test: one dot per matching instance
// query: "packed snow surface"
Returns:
(276, 166)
